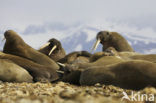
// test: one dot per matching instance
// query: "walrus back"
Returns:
(10, 72)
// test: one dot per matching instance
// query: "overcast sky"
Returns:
(36, 16)
(21, 13)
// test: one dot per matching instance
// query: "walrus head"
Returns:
(53, 44)
(112, 39)
(102, 37)
(12, 37)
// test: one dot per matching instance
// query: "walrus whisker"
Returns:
(95, 45)
(44, 45)
(52, 49)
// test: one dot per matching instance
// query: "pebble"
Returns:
(62, 93)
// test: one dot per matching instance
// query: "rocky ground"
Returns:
(64, 93)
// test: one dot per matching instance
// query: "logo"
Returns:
(137, 97)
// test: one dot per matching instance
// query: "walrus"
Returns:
(103, 61)
(98, 55)
(10, 72)
(15, 45)
(112, 39)
(53, 49)
(72, 77)
(131, 55)
(74, 70)
(72, 62)
(76, 57)
(113, 52)
(136, 75)
(147, 57)
(39, 72)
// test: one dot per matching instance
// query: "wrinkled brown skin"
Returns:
(134, 75)
(39, 72)
(15, 45)
(10, 72)
(114, 39)
(57, 54)
(76, 57)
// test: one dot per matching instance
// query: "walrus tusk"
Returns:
(63, 65)
(59, 71)
(52, 49)
(44, 45)
(95, 45)
(3, 39)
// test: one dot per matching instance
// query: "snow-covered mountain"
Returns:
(82, 36)
(85, 38)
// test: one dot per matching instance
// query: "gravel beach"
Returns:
(65, 93)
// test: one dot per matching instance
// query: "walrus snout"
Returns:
(53, 49)
(53, 44)
(101, 37)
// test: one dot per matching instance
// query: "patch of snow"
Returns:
(151, 51)
(90, 35)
